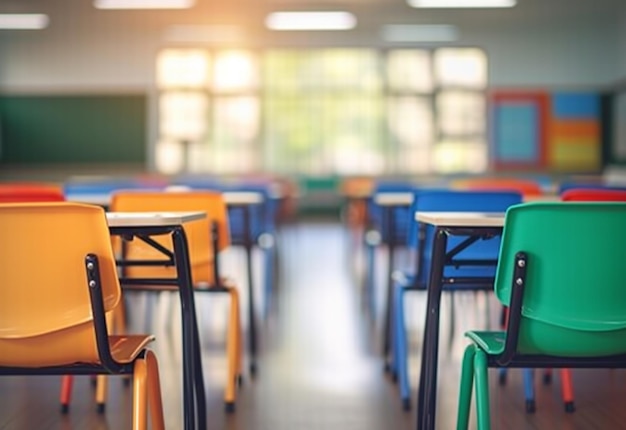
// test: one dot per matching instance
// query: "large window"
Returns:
(322, 111)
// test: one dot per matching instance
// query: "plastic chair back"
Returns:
(574, 302)
(30, 192)
(45, 309)
(463, 201)
(401, 214)
(593, 195)
(199, 236)
(525, 187)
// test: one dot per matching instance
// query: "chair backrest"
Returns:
(565, 186)
(199, 237)
(525, 187)
(44, 296)
(593, 195)
(400, 214)
(462, 201)
(30, 192)
(574, 301)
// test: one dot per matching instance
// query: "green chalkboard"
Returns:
(73, 129)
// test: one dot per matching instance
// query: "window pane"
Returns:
(452, 156)
(235, 71)
(235, 132)
(183, 68)
(410, 121)
(303, 71)
(323, 134)
(465, 67)
(183, 115)
(409, 70)
(461, 113)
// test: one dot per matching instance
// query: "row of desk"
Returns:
(467, 224)
(145, 224)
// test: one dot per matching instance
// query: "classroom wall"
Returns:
(117, 50)
(622, 46)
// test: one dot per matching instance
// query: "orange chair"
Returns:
(206, 238)
(23, 192)
(54, 319)
(525, 187)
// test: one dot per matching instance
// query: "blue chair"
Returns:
(388, 226)
(476, 273)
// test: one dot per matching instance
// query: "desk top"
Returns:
(230, 197)
(151, 219)
(393, 198)
(242, 197)
(461, 219)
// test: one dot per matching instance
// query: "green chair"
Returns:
(561, 273)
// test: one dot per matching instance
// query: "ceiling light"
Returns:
(26, 21)
(462, 3)
(420, 33)
(310, 21)
(143, 4)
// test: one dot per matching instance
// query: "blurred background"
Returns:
(394, 88)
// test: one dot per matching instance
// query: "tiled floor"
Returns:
(320, 365)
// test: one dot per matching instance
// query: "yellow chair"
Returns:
(58, 288)
(206, 238)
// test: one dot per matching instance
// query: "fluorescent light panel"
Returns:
(25, 21)
(420, 33)
(143, 4)
(310, 21)
(462, 3)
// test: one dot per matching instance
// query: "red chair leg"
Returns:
(568, 390)
(66, 392)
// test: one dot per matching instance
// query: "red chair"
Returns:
(526, 187)
(593, 195)
(23, 192)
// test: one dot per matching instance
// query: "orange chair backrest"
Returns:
(45, 309)
(593, 195)
(199, 237)
(30, 192)
(523, 186)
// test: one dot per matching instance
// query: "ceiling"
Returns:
(249, 15)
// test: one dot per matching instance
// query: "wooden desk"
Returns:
(142, 225)
(445, 223)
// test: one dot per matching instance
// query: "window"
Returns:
(322, 111)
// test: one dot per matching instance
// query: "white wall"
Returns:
(621, 54)
(106, 50)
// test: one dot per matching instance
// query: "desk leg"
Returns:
(390, 222)
(193, 380)
(427, 393)
(248, 246)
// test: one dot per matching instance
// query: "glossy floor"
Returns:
(320, 364)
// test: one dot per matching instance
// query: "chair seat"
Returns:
(126, 348)
(492, 342)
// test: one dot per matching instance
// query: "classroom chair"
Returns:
(206, 239)
(564, 293)
(589, 193)
(49, 315)
(526, 187)
(42, 192)
(593, 195)
(16, 192)
(474, 274)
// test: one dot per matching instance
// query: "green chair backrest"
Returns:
(574, 300)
